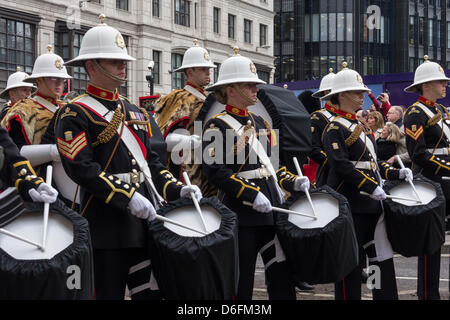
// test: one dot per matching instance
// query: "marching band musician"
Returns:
(255, 182)
(353, 168)
(16, 90)
(427, 141)
(103, 140)
(27, 121)
(16, 170)
(179, 109)
(319, 120)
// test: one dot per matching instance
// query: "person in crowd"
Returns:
(16, 90)
(375, 122)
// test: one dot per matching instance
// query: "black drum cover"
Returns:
(415, 230)
(11, 206)
(47, 279)
(319, 255)
(196, 268)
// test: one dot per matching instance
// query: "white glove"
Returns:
(181, 141)
(186, 192)
(301, 184)
(262, 204)
(141, 207)
(378, 194)
(406, 174)
(44, 193)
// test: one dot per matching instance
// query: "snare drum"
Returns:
(323, 250)
(63, 271)
(415, 229)
(191, 266)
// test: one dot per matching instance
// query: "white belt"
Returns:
(130, 177)
(364, 165)
(255, 174)
(440, 151)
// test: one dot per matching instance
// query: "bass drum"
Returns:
(323, 250)
(188, 265)
(64, 271)
(415, 229)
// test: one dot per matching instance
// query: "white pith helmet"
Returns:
(196, 57)
(48, 65)
(426, 72)
(325, 84)
(101, 42)
(346, 80)
(15, 80)
(236, 69)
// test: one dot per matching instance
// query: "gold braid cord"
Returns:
(432, 121)
(243, 139)
(111, 128)
(354, 136)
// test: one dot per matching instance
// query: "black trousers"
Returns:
(279, 280)
(116, 268)
(349, 288)
(428, 272)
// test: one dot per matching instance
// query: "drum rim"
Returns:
(419, 177)
(157, 227)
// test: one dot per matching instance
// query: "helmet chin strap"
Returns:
(356, 102)
(107, 73)
(243, 95)
(54, 95)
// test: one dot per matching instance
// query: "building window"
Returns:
(430, 32)
(264, 76)
(448, 35)
(247, 31)
(178, 78)
(216, 20)
(421, 30)
(157, 66)
(216, 72)
(67, 45)
(155, 8)
(231, 23)
(262, 35)
(412, 22)
(122, 4)
(16, 48)
(182, 12)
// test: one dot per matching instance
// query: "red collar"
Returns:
(49, 99)
(330, 108)
(236, 111)
(427, 102)
(199, 89)
(344, 114)
(102, 93)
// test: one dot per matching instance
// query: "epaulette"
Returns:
(332, 126)
(125, 98)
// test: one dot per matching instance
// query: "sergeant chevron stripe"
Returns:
(71, 148)
(414, 134)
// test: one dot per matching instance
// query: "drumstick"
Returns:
(445, 178)
(13, 235)
(393, 197)
(46, 207)
(179, 224)
(409, 181)
(300, 174)
(285, 211)
(188, 182)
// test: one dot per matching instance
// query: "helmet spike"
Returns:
(49, 48)
(195, 42)
(236, 50)
(345, 65)
(285, 86)
(426, 58)
(18, 68)
(102, 18)
(331, 70)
